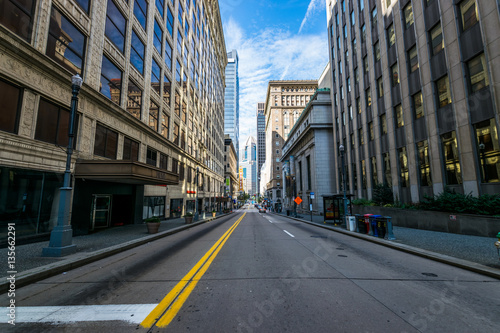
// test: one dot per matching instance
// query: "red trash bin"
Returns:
(367, 222)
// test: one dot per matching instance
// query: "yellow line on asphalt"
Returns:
(174, 300)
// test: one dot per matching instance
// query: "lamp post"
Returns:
(196, 215)
(341, 148)
(61, 236)
(481, 149)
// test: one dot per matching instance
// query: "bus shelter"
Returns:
(333, 207)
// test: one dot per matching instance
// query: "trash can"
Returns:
(381, 226)
(351, 221)
(389, 234)
(369, 230)
(360, 221)
(287, 212)
(373, 224)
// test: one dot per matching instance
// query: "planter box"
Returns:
(188, 219)
(476, 225)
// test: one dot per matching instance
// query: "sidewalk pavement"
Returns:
(470, 252)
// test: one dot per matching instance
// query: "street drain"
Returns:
(430, 274)
(341, 255)
(339, 248)
(318, 236)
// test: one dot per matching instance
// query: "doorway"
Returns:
(101, 208)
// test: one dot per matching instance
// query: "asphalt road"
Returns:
(259, 273)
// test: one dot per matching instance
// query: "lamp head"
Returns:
(481, 146)
(341, 148)
(76, 80)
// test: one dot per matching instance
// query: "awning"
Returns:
(124, 172)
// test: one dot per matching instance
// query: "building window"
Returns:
(151, 157)
(374, 18)
(158, 37)
(106, 142)
(177, 104)
(168, 55)
(387, 169)
(383, 124)
(391, 36)
(424, 163)
(165, 121)
(418, 105)
(380, 88)
(372, 132)
(17, 16)
(398, 110)
(468, 13)
(478, 78)
(368, 95)
(130, 150)
(353, 18)
(403, 167)
(160, 6)
(443, 88)
(363, 34)
(116, 26)
(363, 175)
(153, 116)
(176, 134)
(170, 22)
(134, 99)
(413, 58)
(52, 124)
(178, 73)
(376, 51)
(10, 100)
(141, 12)
(155, 76)
(137, 53)
(489, 150)
(111, 80)
(374, 171)
(66, 44)
(408, 14)
(437, 42)
(166, 90)
(163, 161)
(395, 75)
(451, 159)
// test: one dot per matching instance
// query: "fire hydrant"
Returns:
(497, 244)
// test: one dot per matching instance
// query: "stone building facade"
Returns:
(231, 184)
(414, 99)
(285, 101)
(150, 110)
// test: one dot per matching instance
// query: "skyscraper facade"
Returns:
(232, 100)
(261, 141)
(285, 102)
(150, 111)
(414, 102)
(248, 162)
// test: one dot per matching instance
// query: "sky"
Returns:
(275, 40)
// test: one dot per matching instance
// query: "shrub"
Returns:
(450, 201)
(363, 202)
(382, 194)
(154, 219)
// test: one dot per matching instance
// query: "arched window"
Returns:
(295, 116)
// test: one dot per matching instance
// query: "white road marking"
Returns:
(289, 233)
(132, 313)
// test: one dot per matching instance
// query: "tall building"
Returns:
(150, 111)
(413, 99)
(232, 100)
(285, 101)
(248, 164)
(261, 142)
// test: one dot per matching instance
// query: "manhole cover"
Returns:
(318, 236)
(340, 248)
(341, 255)
(430, 274)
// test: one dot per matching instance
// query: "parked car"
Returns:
(262, 210)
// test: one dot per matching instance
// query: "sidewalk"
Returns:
(476, 249)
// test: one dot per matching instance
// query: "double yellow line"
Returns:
(168, 308)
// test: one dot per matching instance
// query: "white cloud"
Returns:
(271, 54)
(313, 5)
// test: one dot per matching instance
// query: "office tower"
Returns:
(261, 142)
(232, 100)
(248, 162)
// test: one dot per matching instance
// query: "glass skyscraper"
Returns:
(232, 100)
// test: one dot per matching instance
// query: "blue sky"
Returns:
(275, 40)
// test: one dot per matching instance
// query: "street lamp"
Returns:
(482, 147)
(196, 216)
(61, 236)
(341, 148)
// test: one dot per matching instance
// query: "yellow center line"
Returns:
(174, 300)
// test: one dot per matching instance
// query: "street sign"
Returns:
(312, 195)
(298, 200)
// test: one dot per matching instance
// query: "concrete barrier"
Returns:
(465, 224)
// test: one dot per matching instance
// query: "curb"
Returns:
(36, 274)
(460, 263)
